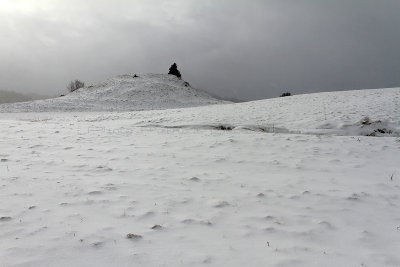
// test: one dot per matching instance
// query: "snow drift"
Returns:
(123, 93)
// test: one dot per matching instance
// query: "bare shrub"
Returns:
(75, 85)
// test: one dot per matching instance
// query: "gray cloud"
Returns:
(243, 49)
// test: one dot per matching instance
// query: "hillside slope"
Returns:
(373, 112)
(123, 93)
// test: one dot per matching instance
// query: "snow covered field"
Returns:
(291, 181)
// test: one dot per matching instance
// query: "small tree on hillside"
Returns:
(75, 85)
(174, 71)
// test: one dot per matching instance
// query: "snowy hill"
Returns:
(374, 112)
(359, 112)
(123, 93)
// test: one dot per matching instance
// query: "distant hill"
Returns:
(230, 99)
(12, 97)
(124, 93)
(34, 96)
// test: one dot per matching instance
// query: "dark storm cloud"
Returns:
(243, 49)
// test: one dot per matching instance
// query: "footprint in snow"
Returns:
(270, 229)
(188, 221)
(156, 227)
(222, 204)
(97, 244)
(147, 215)
(104, 168)
(326, 224)
(134, 236)
(110, 188)
(354, 197)
(207, 260)
(95, 193)
(35, 146)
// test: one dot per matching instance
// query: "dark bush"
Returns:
(286, 94)
(174, 71)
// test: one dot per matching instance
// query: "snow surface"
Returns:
(291, 181)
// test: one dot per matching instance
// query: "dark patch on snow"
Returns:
(380, 131)
(222, 204)
(224, 128)
(97, 244)
(95, 193)
(157, 227)
(134, 236)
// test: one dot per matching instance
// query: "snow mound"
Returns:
(123, 93)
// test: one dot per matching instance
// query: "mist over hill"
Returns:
(12, 97)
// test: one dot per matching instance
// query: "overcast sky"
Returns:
(246, 49)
